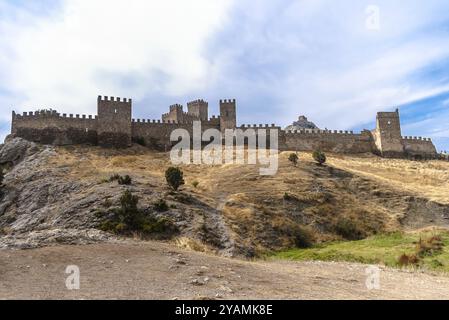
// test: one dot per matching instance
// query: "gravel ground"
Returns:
(155, 270)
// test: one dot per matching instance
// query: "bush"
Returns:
(429, 247)
(114, 177)
(293, 158)
(406, 260)
(161, 225)
(303, 238)
(128, 212)
(195, 184)
(129, 219)
(424, 248)
(319, 157)
(174, 177)
(2, 176)
(161, 205)
(348, 229)
(126, 180)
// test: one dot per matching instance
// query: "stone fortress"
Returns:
(114, 127)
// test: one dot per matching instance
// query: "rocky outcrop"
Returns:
(37, 205)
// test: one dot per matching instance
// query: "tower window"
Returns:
(389, 122)
(87, 129)
(115, 111)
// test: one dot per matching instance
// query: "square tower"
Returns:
(387, 135)
(114, 122)
(198, 109)
(228, 118)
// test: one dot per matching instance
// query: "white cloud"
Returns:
(278, 58)
(110, 47)
(318, 58)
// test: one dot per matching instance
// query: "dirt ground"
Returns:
(155, 270)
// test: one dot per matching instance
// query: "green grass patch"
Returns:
(379, 249)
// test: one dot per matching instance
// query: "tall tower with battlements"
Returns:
(387, 135)
(228, 118)
(114, 122)
(198, 109)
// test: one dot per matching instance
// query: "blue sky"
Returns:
(279, 59)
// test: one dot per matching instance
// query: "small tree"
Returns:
(174, 177)
(129, 213)
(319, 157)
(293, 158)
(126, 180)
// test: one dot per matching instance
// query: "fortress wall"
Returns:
(53, 128)
(156, 133)
(327, 141)
(419, 147)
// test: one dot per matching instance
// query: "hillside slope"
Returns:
(53, 194)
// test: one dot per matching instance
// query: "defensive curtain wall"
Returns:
(113, 126)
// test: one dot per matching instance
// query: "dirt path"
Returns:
(156, 270)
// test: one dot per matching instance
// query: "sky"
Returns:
(337, 62)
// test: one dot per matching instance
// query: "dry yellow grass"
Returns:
(254, 205)
(429, 179)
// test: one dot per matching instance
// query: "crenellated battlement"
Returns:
(198, 101)
(227, 101)
(417, 138)
(114, 99)
(319, 131)
(175, 107)
(259, 126)
(38, 115)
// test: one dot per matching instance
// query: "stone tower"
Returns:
(228, 118)
(114, 122)
(198, 109)
(387, 135)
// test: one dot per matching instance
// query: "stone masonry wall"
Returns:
(54, 128)
(329, 141)
(156, 133)
(114, 127)
(418, 147)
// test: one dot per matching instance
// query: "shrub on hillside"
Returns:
(293, 158)
(174, 177)
(128, 219)
(114, 177)
(161, 205)
(348, 229)
(2, 176)
(126, 180)
(303, 238)
(319, 157)
(429, 247)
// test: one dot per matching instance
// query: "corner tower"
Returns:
(228, 118)
(387, 135)
(114, 122)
